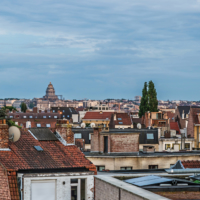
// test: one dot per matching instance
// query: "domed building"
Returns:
(50, 93)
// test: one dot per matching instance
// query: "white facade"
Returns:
(57, 186)
(75, 118)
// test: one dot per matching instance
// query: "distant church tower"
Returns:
(50, 93)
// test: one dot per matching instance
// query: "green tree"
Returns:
(144, 105)
(31, 105)
(10, 108)
(152, 97)
(23, 107)
(3, 113)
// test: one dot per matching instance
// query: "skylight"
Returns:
(38, 148)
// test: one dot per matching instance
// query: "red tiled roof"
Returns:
(55, 155)
(191, 163)
(12, 180)
(98, 115)
(125, 119)
(174, 126)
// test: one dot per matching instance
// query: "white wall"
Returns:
(62, 181)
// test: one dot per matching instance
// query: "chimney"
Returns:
(14, 111)
(95, 140)
(183, 115)
(4, 134)
(115, 116)
(35, 110)
(40, 111)
(65, 131)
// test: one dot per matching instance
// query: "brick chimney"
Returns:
(4, 134)
(95, 140)
(65, 131)
(35, 110)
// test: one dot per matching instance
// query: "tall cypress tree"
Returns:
(152, 97)
(23, 107)
(144, 101)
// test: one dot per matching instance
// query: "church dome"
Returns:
(50, 93)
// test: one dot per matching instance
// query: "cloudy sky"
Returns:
(100, 49)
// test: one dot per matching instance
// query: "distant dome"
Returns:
(50, 93)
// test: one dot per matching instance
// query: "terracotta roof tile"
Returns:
(191, 163)
(98, 115)
(174, 126)
(55, 155)
(125, 118)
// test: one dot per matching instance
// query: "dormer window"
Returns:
(120, 122)
(119, 118)
(24, 116)
(11, 116)
(44, 116)
(30, 116)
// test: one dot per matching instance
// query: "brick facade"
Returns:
(80, 143)
(117, 142)
(4, 185)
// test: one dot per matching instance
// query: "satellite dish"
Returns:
(139, 126)
(92, 125)
(83, 125)
(14, 133)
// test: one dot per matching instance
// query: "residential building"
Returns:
(66, 113)
(98, 118)
(121, 120)
(44, 165)
(193, 129)
(34, 119)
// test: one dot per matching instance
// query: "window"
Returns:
(55, 117)
(43, 190)
(63, 110)
(54, 111)
(11, 116)
(44, 116)
(78, 189)
(24, 116)
(125, 168)
(150, 136)
(49, 116)
(48, 125)
(120, 122)
(153, 166)
(30, 116)
(187, 146)
(119, 118)
(77, 135)
(63, 115)
(167, 146)
(67, 115)
(100, 168)
(38, 125)
(90, 136)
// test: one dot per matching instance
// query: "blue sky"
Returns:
(100, 49)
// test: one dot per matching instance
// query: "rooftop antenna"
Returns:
(139, 126)
(14, 134)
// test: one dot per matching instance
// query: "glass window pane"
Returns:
(150, 136)
(74, 195)
(74, 180)
(77, 135)
(129, 168)
(83, 189)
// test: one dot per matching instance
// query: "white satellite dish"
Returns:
(14, 133)
(139, 126)
(92, 125)
(83, 125)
